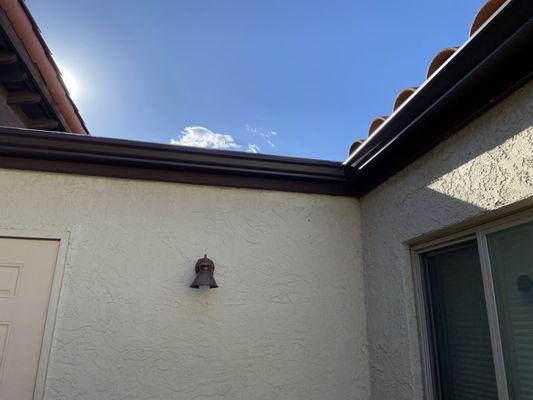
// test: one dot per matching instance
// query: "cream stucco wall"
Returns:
(288, 321)
(486, 166)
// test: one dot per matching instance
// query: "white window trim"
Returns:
(479, 234)
(46, 346)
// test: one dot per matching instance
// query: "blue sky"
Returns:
(290, 77)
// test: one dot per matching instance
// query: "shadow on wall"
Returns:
(486, 166)
(390, 309)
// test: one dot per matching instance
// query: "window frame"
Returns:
(479, 234)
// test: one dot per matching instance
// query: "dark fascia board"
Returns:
(90, 155)
(491, 65)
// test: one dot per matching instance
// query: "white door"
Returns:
(26, 273)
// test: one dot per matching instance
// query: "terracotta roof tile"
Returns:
(355, 145)
(402, 97)
(484, 13)
(441, 57)
(376, 123)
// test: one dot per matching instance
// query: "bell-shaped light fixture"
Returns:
(204, 274)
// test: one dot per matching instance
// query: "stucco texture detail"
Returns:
(288, 321)
(485, 166)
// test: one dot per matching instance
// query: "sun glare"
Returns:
(71, 83)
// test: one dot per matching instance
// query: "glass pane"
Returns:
(511, 258)
(464, 368)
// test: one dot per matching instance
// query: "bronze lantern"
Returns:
(204, 274)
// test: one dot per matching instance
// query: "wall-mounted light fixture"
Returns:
(524, 283)
(204, 274)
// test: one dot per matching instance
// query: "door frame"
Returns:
(63, 237)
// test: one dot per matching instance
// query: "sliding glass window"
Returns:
(511, 261)
(475, 300)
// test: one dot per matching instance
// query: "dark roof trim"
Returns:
(488, 67)
(89, 155)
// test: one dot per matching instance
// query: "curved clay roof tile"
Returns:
(355, 145)
(441, 57)
(376, 123)
(484, 13)
(402, 97)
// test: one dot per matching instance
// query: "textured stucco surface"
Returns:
(288, 321)
(486, 166)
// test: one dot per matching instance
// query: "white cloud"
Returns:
(198, 136)
(267, 136)
(251, 129)
(253, 148)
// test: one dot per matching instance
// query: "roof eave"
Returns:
(27, 31)
(88, 155)
(488, 67)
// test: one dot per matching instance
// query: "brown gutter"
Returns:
(28, 149)
(25, 27)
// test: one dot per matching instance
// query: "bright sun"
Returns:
(70, 81)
